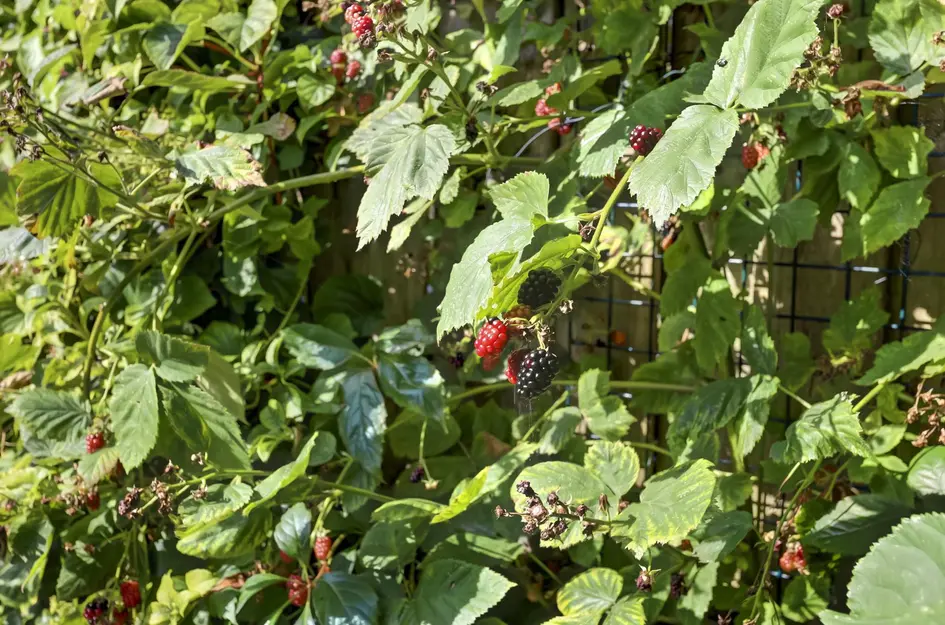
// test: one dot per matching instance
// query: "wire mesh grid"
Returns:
(615, 310)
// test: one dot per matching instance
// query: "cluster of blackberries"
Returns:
(95, 610)
(298, 590)
(643, 139)
(361, 25)
(340, 67)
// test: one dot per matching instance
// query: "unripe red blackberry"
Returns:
(543, 110)
(491, 361)
(120, 617)
(539, 288)
(514, 364)
(365, 102)
(536, 373)
(338, 57)
(298, 590)
(130, 593)
(92, 501)
(492, 338)
(754, 153)
(353, 12)
(553, 89)
(362, 26)
(643, 139)
(322, 548)
(285, 557)
(354, 68)
(94, 442)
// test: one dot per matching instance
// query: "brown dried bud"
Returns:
(645, 581)
(547, 534)
(603, 504)
(501, 512)
(559, 527)
(525, 488)
(581, 510)
(432, 54)
(587, 528)
(384, 55)
(530, 527)
(836, 11)
(553, 499)
(622, 505)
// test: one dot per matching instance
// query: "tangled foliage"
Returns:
(207, 419)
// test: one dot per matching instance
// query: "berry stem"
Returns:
(860, 405)
(608, 206)
(794, 396)
(631, 385)
(788, 510)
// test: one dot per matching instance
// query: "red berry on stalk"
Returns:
(492, 338)
(285, 557)
(553, 89)
(787, 562)
(563, 129)
(94, 442)
(365, 103)
(512, 367)
(799, 560)
(354, 68)
(338, 57)
(542, 109)
(92, 501)
(130, 593)
(753, 153)
(339, 73)
(362, 25)
(643, 139)
(120, 617)
(322, 548)
(298, 590)
(353, 12)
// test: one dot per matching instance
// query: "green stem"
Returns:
(488, 159)
(116, 295)
(650, 447)
(544, 567)
(876, 390)
(630, 385)
(636, 285)
(604, 212)
(759, 583)
(545, 415)
(295, 301)
(794, 396)
(354, 490)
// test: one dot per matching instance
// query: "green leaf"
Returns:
(915, 351)
(486, 481)
(59, 197)
(411, 337)
(825, 429)
(855, 524)
(364, 418)
(694, 604)
(573, 483)
(603, 141)
(522, 197)
(17, 244)
(767, 47)
(791, 222)
(805, 597)
(903, 151)
(616, 463)
(671, 505)
(314, 90)
(757, 345)
(52, 423)
(470, 281)
(591, 593)
(684, 161)
(219, 502)
(852, 328)
(899, 581)
(259, 18)
(318, 347)
(174, 360)
(134, 414)
(927, 472)
(721, 535)
(750, 424)
(284, 475)
(717, 323)
(627, 611)
(165, 41)
(206, 425)
(559, 429)
(256, 584)
(413, 383)
(901, 36)
(415, 162)
(607, 415)
(237, 535)
(796, 363)
(405, 510)
(293, 532)
(191, 81)
(669, 100)
(377, 125)
(858, 177)
(456, 593)
(575, 87)
(226, 167)
(388, 546)
(476, 549)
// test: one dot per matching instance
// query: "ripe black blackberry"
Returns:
(538, 370)
(416, 475)
(643, 139)
(540, 288)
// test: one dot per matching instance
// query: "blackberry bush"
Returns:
(247, 249)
